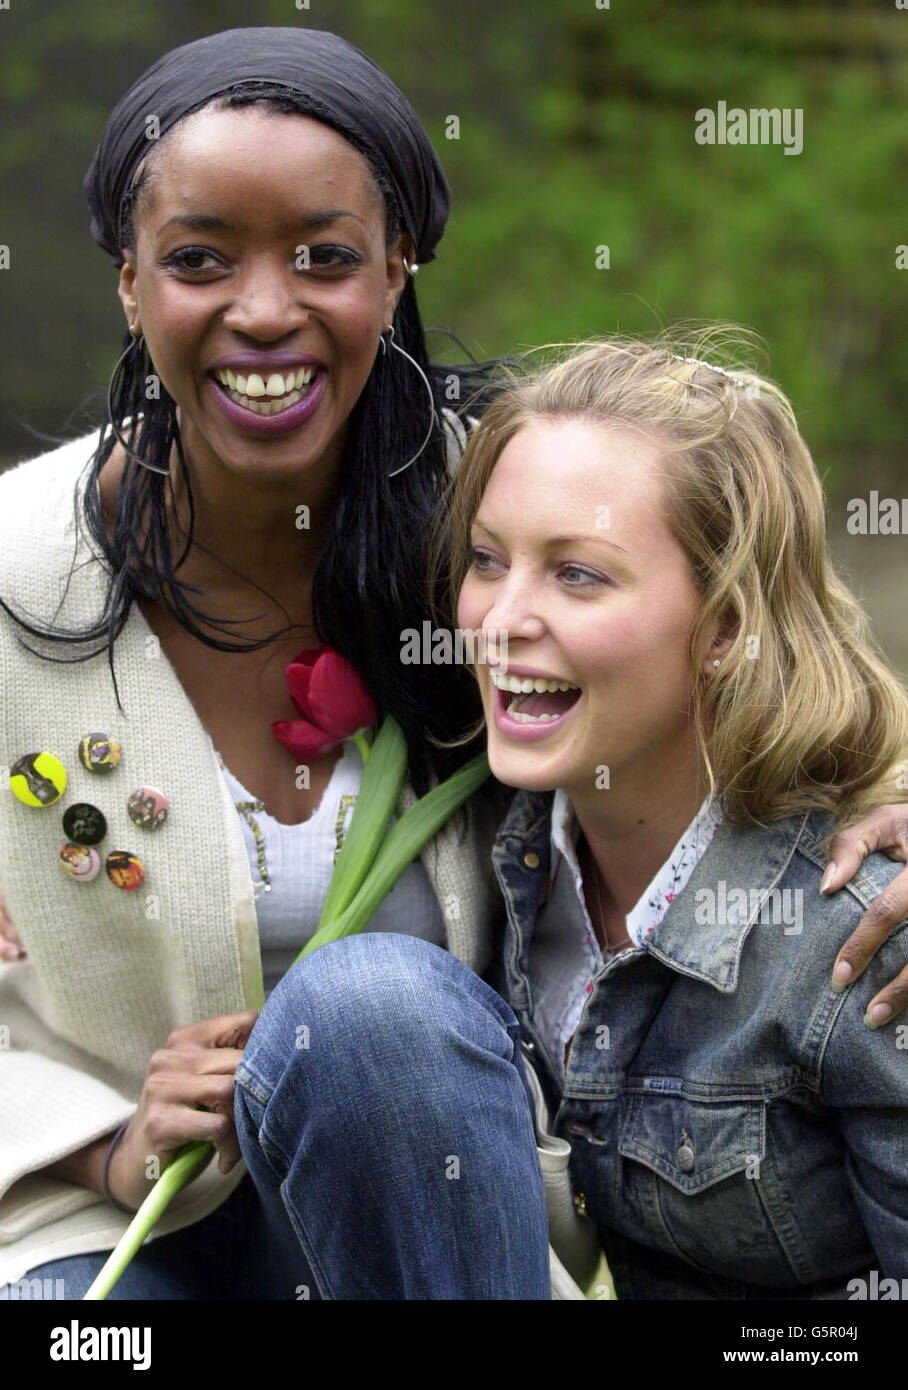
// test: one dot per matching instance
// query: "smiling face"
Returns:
(606, 608)
(217, 282)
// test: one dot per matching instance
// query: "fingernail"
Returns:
(878, 1014)
(223, 1164)
(841, 975)
(827, 877)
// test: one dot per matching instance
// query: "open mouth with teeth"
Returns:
(267, 395)
(534, 700)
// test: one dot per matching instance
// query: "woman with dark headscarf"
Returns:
(277, 442)
(276, 446)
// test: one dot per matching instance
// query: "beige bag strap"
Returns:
(574, 1245)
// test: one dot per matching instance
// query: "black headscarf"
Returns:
(340, 86)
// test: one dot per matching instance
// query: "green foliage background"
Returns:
(576, 130)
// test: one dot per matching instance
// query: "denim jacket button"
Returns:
(531, 859)
(685, 1157)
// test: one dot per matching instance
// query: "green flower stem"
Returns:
(379, 788)
(404, 842)
(175, 1175)
(362, 743)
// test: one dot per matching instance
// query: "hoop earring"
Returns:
(434, 420)
(152, 468)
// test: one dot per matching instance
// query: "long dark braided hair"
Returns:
(370, 580)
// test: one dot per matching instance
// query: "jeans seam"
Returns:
(307, 1247)
(245, 1080)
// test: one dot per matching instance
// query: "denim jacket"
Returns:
(736, 1130)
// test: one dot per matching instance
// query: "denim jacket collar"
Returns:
(748, 858)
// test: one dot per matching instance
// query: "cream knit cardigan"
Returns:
(110, 973)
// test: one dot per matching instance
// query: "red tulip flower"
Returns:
(332, 702)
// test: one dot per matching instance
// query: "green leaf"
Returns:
(404, 841)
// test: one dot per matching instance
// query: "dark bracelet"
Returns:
(107, 1192)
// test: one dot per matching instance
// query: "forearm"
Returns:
(85, 1167)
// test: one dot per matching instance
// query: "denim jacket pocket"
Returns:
(696, 1180)
(693, 1143)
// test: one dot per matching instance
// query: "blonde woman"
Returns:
(737, 1129)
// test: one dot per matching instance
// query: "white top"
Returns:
(564, 955)
(291, 868)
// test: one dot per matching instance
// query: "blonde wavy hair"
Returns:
(804, 711)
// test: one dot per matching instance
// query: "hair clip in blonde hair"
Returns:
(698, 362)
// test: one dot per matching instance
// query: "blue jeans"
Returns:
(383, 1118)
